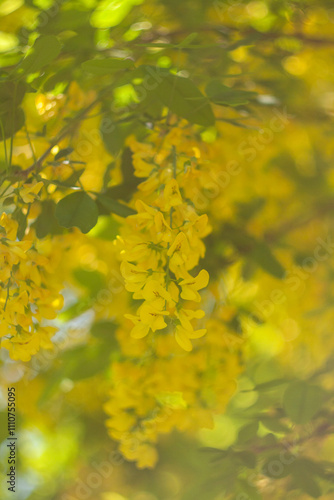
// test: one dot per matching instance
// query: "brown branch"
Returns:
(226, 30)
(323, 430)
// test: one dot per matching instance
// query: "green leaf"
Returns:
(8, 201)
(46, 223)
(125, 190)
(181, 96)
(76, 309)
(114, 134)
(247, 458)
(45, 49)
(63, 20)
(77, 209)
(11, 122)
(12, 117)
(111, 12)
(90, 362)
(63, 153)
(105, 66)
(102, 328)
(263, 256)
(104, 331)
(275, 468)
(256, 250)
(274, 425)
(21, 219)
(248, 432)
(270, 384)
(72, 180)
(84, 361)
(109, 205)
(11, 95)
(247, 210)
(92, 280)
(150, 105)
(302, 401)
(303, 472)
(226, 96)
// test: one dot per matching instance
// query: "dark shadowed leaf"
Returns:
(304, 472)
(105, 66)
(92, 280)
(63, 153)
(46, 223)
(221, 94)
(181, 96)
(77, 209)
(11, 123)
(110, 205)
(302, 401)
(248, 432)
(45, 49)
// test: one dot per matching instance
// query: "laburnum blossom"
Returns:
(153, 395)
(28, 192)
(161, 245)
(191, 286)
(28, 294)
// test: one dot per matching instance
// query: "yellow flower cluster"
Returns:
(26, 294)
(159, 388)
(162, 243)
(158, 392)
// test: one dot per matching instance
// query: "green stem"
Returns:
(29, 142)
(170, 217)
(4, 145)
(13, 129)
(174, 161)
(5, 190)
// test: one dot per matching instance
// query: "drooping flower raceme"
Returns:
(27, 294)
(162, 244)
(159, 387)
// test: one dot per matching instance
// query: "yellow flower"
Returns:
(185, 331)
(182, 338)
(186, 315)
(174, 291)
(122, 421)
(135, 277)
(153, 317)
(172, 194)
(163, 230)
(29, 192)
(155, 294)
(147, 456)
(22, 347)
(9, 225)
(179, 250)
(145, 216)
(191, 285)
(140, 329)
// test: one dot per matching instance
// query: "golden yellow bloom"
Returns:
(191, 286)
(27, 294)
(29, 192)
